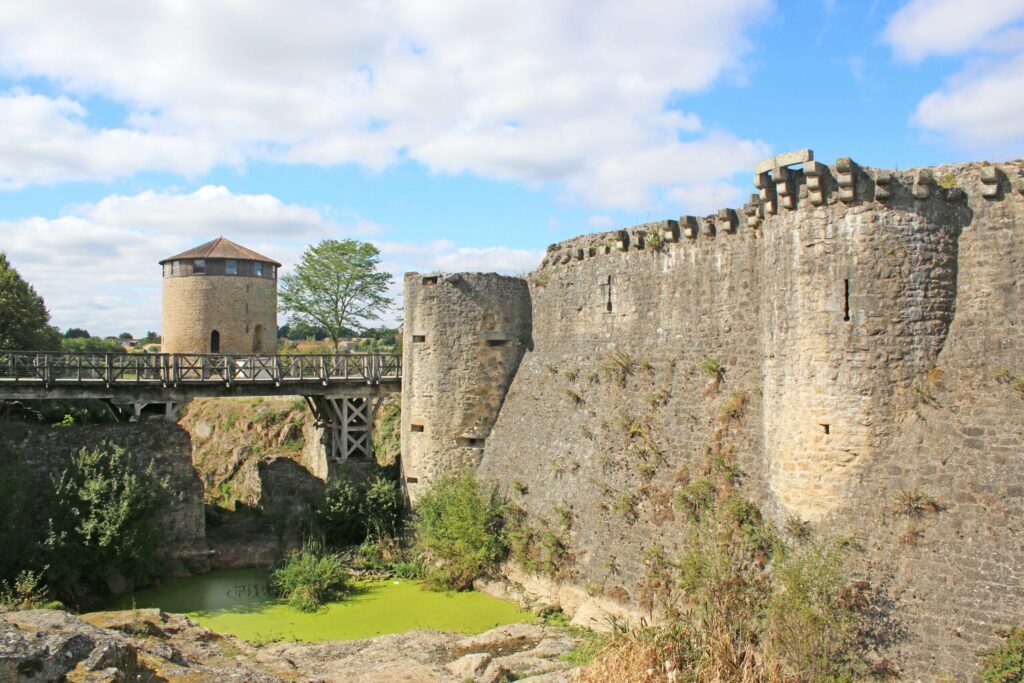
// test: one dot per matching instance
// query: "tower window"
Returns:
(215, 342)
(176, 268)
(846, 300)
(199, 266)
(257, 269)
(231, 267)
(167, 270)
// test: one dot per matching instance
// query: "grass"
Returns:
(711, 367)
(310, 577)
(655, 239)
(625, 506)
(619, 365)
(915, 503)
(924, 388)
(733, 407)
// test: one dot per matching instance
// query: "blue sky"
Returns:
(455, 134)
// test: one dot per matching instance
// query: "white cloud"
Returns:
(45, 141)
(532, 92)
(982, 106)
(97, 266)
(443, 255)
(210, 211)
(923, 28)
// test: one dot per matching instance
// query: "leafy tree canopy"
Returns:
(76, 333)
(24, 319)
(91, 345)
(337, 286)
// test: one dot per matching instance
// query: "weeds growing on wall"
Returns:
(311, 576)
(1004, 663)
(742, 601)
(538, 550)
(458, 527)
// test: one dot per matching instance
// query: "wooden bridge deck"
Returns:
(343, 391)
(126, 378)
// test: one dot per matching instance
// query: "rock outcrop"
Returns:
(149, 645)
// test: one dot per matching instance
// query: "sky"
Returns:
(453, 134)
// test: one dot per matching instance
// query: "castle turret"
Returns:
(465, 336)
(219, 298)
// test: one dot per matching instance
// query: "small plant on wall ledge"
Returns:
(915, 503)
(619, 365)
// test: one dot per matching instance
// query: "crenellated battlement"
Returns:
(794, 181)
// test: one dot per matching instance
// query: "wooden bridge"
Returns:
(343, 391)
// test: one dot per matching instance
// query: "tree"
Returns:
(151, 338)
(91, 345)
(24, 319)
(336, 286)
(126, 336)
(76, 333)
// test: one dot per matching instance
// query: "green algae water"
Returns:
(238, 602)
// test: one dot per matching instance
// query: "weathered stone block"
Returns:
(689, 227)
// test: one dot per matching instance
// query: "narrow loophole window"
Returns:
(827, 428)
(430, 280)
(497, 342)
(419, 338)
(468, 442)
(416, 427)
(411, 480)
(846, 300)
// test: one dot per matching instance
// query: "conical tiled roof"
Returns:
(221, 247)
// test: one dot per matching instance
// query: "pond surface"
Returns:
(238, 602)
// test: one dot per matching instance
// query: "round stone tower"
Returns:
(219, 298)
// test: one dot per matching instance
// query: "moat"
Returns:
(238, 602)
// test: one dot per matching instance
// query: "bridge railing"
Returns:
(185, 368)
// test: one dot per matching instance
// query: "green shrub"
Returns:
(1004, 663)
(813, 631)
(459, 531)
(104, 519)
(25, 592)
(348, 514)
(310, 577)
(338, 515)
(382, 507)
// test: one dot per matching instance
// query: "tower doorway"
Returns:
(215, 342)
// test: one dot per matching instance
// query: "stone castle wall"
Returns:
(869, 329)
(242, 309)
